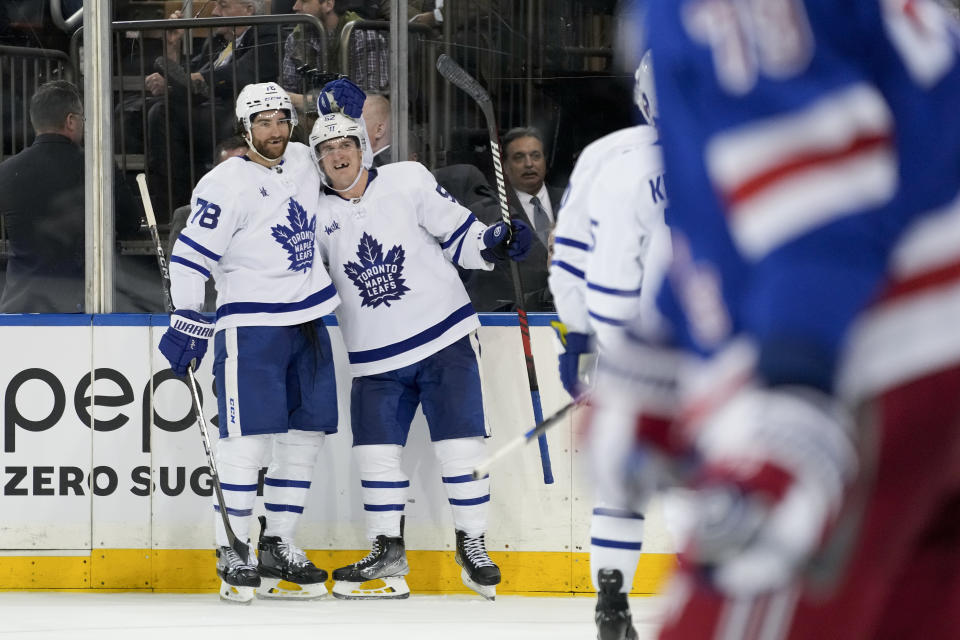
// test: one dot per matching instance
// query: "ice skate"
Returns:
(386, 563)
(285, 571)
(479, 571)
(613, 612)
(239, 577)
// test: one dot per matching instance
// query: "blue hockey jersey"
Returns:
(813, 150)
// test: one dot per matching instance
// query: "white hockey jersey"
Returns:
(611, 240)
(390, 253)
(253, 229)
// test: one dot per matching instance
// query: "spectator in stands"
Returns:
(232, 59)
(43, 208)
(532, 201)
(309, 58)
(376, 116)
(232, 147)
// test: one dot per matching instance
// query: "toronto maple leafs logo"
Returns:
(298, 238)
(379, 279)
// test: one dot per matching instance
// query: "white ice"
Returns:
(149, 616)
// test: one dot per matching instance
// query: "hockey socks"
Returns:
(616, 537)
(238, 463)
(383, 487)
(287, 482)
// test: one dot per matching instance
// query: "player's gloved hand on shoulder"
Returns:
(501, 242)
(776, 464)
(341, 95)
(575, 345)
(185, 342)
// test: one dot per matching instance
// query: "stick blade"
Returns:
(456, 74)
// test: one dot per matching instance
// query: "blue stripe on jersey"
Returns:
(456, 254)
(605, 319)
(568, 268)
(422, 338)
(199, 248)
(616, 544)
(617, 513)
(462, 229)
(469, 502)
(234, 512)
(226, 486)
(277, 307)
(458, 479)
(383, 507)
(570, 242)
(292, 508)
(384, 484)
(628, 293)
(297, 484)
(192, 265)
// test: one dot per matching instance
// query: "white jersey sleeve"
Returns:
(454, 226)
(215, 216)
(571, 246)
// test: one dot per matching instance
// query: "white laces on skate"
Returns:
(476, 552)
(292, 553)
(374, 552)
(233, 559)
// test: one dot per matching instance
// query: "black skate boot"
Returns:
(613, 612)
(239, 576)
(285, 570)
(387, 561)
(479, 572)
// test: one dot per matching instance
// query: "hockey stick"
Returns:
(459, 77)
(481, 469)
(238, 545)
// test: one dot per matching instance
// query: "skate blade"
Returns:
(236, 595)
(488, 592)
(277, 589)
(393, 588)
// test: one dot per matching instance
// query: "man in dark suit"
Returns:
(532, 201)
(43, 208)
(234, 58)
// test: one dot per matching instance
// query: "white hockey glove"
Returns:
(777, 463)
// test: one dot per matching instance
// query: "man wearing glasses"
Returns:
(43, 208)
(253, 230)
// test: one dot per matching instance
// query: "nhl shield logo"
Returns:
(379, 279)
(298, 238)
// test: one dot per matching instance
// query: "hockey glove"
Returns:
(341, 95)
(501, 242)
(777, 463)
(574, 345)
(185, 342)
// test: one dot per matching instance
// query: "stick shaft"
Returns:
(238, 545)
(459, 77)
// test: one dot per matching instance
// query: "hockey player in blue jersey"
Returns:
(613, 207)
(814, 161)
(391, 237)
(253, 231)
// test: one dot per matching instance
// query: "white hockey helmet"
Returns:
(264, 96)
(643, 91)
(337, 125)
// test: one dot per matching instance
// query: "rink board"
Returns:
(105, 483)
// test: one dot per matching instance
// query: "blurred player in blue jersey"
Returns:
(253, 230)
(812, 356)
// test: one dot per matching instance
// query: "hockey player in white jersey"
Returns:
(613, 207)
(391, 237)
(253, 231)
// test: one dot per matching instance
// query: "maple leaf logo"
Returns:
(298, 238)
(378, 278)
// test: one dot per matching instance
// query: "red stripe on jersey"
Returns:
(920, 282)
(800, 163)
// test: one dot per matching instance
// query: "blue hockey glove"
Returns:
(574, 345)
(501, 243)
(341, 95)
(185, 341)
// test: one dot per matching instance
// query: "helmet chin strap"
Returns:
(329, 183)
(270, 161)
